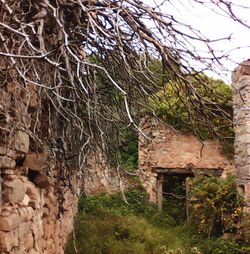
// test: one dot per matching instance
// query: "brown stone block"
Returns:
(6, 162)
(23, 230)
(35, 161)
(26, 213)
(28, 242)
(46, 211)
(42, 181)
(6, 242)
(33, 194)
(50, 244)
(8, 171)
(14, 191)
(9, 223)
(6, 151)
(242, 70)
(22, 141)
(33, 103)
(26, 200)
(49, 229)
(12, 88)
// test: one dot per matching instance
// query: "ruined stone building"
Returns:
(37, 210)
(165, 153)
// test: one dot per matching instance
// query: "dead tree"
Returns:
(91, 64)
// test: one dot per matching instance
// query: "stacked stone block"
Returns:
(241, 95)
(33, 219)
(162, 147)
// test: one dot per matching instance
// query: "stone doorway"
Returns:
(173, 182)
(172, 192)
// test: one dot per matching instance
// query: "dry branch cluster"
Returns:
(88, 63)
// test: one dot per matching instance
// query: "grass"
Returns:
(107, 225)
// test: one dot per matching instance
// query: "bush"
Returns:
(215, 206)
(137, 203)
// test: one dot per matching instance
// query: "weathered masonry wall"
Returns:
(36, 209)
(167, 150)
(99, 177)
(241, 92)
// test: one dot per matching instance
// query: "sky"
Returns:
(214, 24)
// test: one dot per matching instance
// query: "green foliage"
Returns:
(106, 224)
(206, 112)
(215, 206)
(136, 204)
(110, 232)
(220, 246)
(129, 149)
(175, 208)
(174, 203)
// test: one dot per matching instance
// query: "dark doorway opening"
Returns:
(172, 188)
(174, 193)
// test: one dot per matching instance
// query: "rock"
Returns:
(35, 161)
(6, 162)
(6, 211)
(29, 242)
(26, 213)
(33, 194)
(26, 200)
(14, 191)
(24, 230)
(6, 242)
(33, 251)
(33, 103)
(8, 172)
(42, 181)
(9, 223)
(50, 243)
(22, 141)
(6, 151)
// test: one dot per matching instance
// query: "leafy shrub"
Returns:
(137, 203)
(215, 206)
(220, 246)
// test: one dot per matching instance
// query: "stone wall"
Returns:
(166, 148)
(100, 177)
(36, 209)
(241, 92)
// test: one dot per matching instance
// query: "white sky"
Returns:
(215, 26)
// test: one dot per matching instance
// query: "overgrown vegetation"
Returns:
(129, 149)
(173, 104)
(215, 206)
(106, 224)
